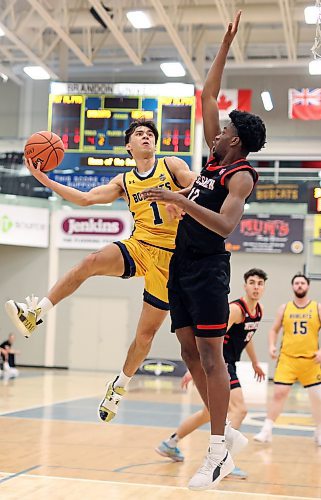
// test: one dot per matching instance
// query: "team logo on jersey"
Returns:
(162, 177)
(253, 325)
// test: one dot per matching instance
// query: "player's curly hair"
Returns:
(141, 123)
(250, 129)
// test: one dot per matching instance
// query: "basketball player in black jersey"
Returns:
(200, 271)
(245, 315)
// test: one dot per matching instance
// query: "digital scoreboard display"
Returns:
(97, 123)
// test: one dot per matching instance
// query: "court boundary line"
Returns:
(160, 486)
(17, 474)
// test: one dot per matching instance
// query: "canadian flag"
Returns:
(227, 101)
(305, 104)
(233, 99)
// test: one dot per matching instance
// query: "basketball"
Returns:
(45, 147)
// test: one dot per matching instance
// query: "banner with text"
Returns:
(24, 226)
(280, 193)
(268, 234)
(91, 230)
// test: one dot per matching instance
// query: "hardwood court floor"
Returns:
(53, 447)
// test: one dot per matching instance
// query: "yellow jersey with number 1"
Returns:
(301, 327)
(152, 223)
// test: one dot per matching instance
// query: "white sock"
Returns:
(217, 445)
(122, 380)
(45, 306)
(172, 441)
(268, 424)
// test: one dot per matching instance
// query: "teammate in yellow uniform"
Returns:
(146, 253)
(300, 355)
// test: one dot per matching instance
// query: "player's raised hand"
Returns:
(36, 172)
(232, 29)
(33, 169)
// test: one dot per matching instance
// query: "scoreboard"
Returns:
(96, 123)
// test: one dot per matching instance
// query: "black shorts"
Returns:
(234, 381)
(198, 289)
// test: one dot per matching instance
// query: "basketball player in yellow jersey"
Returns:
(146, 253)
(300, 355)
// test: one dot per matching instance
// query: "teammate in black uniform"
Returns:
(199, 271)
(244, 318)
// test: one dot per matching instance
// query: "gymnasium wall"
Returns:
(24, 270)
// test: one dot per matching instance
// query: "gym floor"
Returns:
(53, 446)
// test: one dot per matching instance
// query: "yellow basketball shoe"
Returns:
(25, 317)
(109, 406)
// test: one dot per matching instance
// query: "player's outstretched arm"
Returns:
(212, 85)
(223, 223)
(101, 194)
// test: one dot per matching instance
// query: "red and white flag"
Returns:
(230, 99)
(305, 104)
(227, 101)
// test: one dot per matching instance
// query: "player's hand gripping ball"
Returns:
(45, 149)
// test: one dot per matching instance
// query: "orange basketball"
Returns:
(45, 147)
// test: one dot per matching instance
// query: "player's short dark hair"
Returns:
(250, 129)
(300, 275)
(141, 123)
(255, 272)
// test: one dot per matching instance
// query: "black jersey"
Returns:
(240, 334)
(209, 191)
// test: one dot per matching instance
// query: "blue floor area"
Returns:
(131, 412)
(143, 413)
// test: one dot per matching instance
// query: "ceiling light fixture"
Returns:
(173, 69)
(267, 100)
(311, 14)
(36, 72)
(315, 67)
(139, 19)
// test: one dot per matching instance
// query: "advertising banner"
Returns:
(279, 193)
(268, 234)
(91, 230)
(24, 226)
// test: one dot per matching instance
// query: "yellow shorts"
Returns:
(289, 370)
(151, 262)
